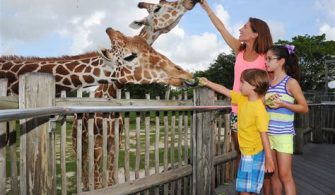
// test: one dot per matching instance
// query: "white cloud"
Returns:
(193, 52)
(328, 30)
(327, 24)
(95, 19)
(277, 30)
(33, 21)
(223, 15)
(326, 5)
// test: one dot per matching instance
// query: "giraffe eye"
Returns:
(157, 9)
(130, 57)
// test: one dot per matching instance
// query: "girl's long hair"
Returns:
(291, 65)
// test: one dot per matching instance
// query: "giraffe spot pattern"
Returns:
(88, 79)
(27, 68)
(96, 72)
(61, 70)
(79, 68)
(72, 65)
(75, 80)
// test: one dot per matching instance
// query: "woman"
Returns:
(250, 49)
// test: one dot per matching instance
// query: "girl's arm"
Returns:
(269, 164)
(214, 86)
(294, 88)
(230, 40)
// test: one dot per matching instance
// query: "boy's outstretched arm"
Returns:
(214, 86)
(269, 164)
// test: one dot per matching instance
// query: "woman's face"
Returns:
(246, 33)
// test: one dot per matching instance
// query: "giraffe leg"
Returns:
(97, 163)
(111, 152)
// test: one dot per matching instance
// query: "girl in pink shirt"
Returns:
(250, 49)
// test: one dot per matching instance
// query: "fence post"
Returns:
(36, 167)
(3, 142)
(202, 136)
(317, 131)
(299, 137)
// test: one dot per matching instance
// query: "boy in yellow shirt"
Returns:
(252, 126)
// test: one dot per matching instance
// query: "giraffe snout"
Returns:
(191, 82)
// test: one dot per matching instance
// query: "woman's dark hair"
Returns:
(264, 39)
(291, 66)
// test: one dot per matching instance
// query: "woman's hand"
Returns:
(204, 4)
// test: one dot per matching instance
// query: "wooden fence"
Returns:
(168, 146)
(176, 146)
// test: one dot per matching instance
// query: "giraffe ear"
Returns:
(136, 24)
(108, 56)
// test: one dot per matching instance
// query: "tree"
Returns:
(139, 91)
(312, 52)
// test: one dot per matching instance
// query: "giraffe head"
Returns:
(162, 17)
(137, 62)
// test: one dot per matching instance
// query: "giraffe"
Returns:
(129, 60)
(162, 17)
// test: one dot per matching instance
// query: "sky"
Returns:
(52, 28)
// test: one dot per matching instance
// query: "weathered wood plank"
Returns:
(104, 150)
(204, 129)
(13, 157)
(144, 183)
(117, 147)
(126, 144)
(36, 172)
(90, 152)
(157, 133)
(10, 102)
(165, 155)
(138, 146)
(3, 142)
(63, 151)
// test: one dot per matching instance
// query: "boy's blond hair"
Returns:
(257, 78)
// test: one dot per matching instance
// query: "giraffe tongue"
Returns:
(191, 82)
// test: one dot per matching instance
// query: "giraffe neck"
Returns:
(108, 90)
(152, 30)
(70, 72)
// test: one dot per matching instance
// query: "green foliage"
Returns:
(221, 71)
(139, 91)
(312, 52)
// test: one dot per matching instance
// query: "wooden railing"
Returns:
(181, 146)
(317, 126)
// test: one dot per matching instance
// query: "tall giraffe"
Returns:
(129, 60)
(161, 19)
